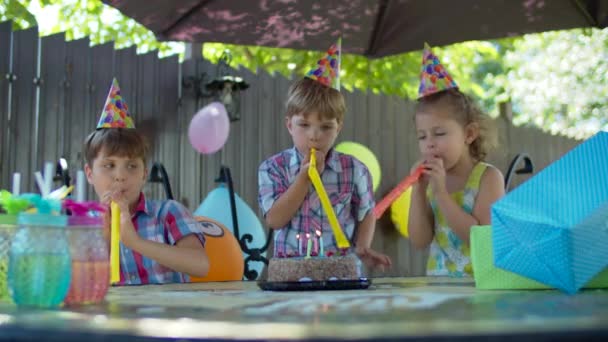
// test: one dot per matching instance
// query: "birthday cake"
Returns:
(316, 268)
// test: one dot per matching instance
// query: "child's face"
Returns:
(117, 175)
(441, 136)
(310, 131)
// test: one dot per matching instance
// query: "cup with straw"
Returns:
(39, 258)
(89, 252)
(12, 204)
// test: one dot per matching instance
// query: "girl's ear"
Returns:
(471, 132)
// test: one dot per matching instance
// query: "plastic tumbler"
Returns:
(90, 260)
(8, 225)
(39, 261)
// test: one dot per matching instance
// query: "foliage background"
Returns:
(556, 81)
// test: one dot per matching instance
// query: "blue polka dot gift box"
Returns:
(554, 227)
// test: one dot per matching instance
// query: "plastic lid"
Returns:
(84, 213)
(8, 219)
(42, 219)
(86, 221)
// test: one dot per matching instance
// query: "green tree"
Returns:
(14, 10)
(88, 18)
(559, 81)
(393, 75)
(556, 80)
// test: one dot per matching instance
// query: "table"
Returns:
(392, 308)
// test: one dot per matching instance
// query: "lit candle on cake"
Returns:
(299, 244)
(315, 244)
(320, 242)
(308, 245)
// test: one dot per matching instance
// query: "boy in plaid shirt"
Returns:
(290, 205)
(160, 241)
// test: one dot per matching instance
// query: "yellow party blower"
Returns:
(313, 174)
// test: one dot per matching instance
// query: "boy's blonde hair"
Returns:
(464, 110)
(307, 96)
(122, 142)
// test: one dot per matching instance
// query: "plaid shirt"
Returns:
(348, 185)
(160, 221)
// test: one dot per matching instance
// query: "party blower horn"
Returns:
(114, 243)
(313, 174)
(398, 190)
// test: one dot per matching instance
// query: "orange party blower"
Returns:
(398, 190)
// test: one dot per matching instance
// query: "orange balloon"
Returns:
(225, 255)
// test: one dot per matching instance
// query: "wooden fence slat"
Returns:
(52, 97)
(24, 146)
(279, 99)
(6, 51)
(98, 76)
(168, 119)
(79, 120)
(146, 107)
(210, 162)
(250, 127)
(189, 180)
(125, 71)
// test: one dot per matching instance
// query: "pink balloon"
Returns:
(209, 128)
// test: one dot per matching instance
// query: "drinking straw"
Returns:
(49, 171)
(61, 193)
(80, 195)
(16, 183)
(41, 184)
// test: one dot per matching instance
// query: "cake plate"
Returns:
(315, 285)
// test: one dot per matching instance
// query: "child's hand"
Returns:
(320, 156)
(423, 181)
(106, 198)
(435, 171)
(128, 235)
(373, 259)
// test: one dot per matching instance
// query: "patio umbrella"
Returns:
(374, 28)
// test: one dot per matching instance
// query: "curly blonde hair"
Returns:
(464, 110)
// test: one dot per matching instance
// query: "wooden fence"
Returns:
(54, 90)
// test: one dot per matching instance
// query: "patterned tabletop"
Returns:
(416, 308)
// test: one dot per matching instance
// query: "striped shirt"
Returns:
(160, 221)
(349, 188)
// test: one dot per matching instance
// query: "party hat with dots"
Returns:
(433, 76)
(115, 113)
(327, 71)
